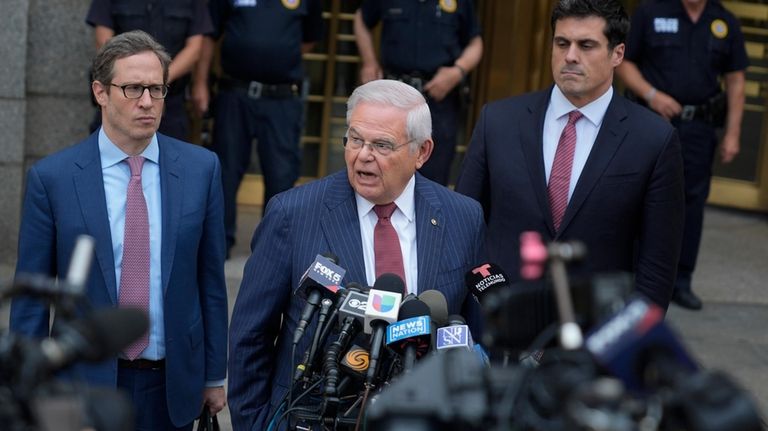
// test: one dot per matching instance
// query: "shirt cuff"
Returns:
(215, 383)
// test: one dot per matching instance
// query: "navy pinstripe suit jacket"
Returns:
(322, 217)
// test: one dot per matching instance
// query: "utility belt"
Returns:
(416, 80)
(713, 111)
(260, 90)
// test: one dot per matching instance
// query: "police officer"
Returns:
(260, 90)
(431, 45)
(677, 52)
(178, 25)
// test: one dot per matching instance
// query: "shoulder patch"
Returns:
(449, 6)
(291, 4)
(719, 29)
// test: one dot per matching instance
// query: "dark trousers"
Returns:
(175, 121)
(445, 120)
(146, 389)
(699, 141)
(276, 125)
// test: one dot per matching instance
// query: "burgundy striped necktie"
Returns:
(560, 176)
(134, 276)
(386, 245)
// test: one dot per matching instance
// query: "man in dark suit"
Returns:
(580, 162)
(124, 185)
(440, 234)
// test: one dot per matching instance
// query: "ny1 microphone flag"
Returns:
(450, 337)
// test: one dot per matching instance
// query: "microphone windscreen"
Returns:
(390, 283)
(330, 256)
(110, 330)
(438, 306)
(456, 320)
(413, 308)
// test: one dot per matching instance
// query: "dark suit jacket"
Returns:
(65, 198)
(627, 206)
(322, 217)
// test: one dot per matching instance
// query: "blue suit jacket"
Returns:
(322, 217)
(65, 198)
(627, 206)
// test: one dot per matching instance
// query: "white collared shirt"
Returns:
(586, 130)
(404, 222)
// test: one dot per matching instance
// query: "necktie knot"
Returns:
(136, 163)
(574, 116)
(385, 211)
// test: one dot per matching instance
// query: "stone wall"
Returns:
(44, 96)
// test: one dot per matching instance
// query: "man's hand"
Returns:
(443, 82)
(370, 72)
(665, 105)
(200, 98)
(215, 399)
(729, 148)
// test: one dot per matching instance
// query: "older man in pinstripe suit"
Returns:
(440, 234)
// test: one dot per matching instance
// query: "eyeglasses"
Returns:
(383, 148)
(135, 91)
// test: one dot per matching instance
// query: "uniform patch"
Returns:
(449, 6)
(291, 4)
(665, 25)
(719, 28)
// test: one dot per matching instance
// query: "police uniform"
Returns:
(417, 38)
(170, 22)
(260, 91)
(686, 60)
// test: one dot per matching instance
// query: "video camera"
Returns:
(31, 398)
(587, 357)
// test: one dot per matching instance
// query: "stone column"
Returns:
(44, 96)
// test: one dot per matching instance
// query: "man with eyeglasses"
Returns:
(154, 206)
(438, 237)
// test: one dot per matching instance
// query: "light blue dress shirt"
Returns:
(117, 174)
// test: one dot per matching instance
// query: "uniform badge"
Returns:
(244, 3)
(291, 4)
(449, 6)
(719, 28)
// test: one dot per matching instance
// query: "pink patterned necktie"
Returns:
(560, 176)
(386, 245)
(134, 276)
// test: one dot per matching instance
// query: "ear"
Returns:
(100, 93)
(617, 56)
(424, 151)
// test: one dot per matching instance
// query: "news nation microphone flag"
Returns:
(408, 328)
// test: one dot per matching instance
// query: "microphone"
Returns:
(381, 309)
(635, 341)
(351, 318)
(100, 336)
(41, 286)
(486, 279)
(454, 336)
(438, 306)
(321, 280)
(411, 336)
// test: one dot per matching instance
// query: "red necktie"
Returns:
(560, 176)
(134, 276)
(386, 245)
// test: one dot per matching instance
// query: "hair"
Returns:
(616, 19)
(122, 46)
(418, 125)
